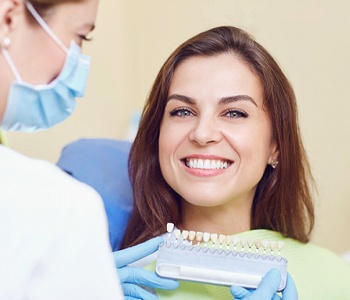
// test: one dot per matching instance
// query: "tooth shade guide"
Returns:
(206, 238)
(257, 246)
(248, 260)
(243, 243)
(191, 236)
(213, 238)
(250, 245)
(199, 237)
(222, 239)
(177, 234)
(169, 228)
(272, 245)
(227, 242)
(235, 242)
(265, 245)
(185, 234)
(229, 239)
(280, 245)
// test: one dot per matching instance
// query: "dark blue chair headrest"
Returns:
(103, 164)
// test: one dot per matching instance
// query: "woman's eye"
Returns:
(181, 112)
(236, 113)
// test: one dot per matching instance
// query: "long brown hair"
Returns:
(282, 201)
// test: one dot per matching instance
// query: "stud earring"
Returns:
(5, 42)
(274, 164)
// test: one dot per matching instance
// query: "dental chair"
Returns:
(103, 164)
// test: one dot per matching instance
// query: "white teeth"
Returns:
(200, 164)
(207, 164)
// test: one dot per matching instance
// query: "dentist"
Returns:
(53, 229)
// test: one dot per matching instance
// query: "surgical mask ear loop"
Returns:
(47, 29)
(4, 45)
(11, 64)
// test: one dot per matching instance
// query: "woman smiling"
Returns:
(219, 150)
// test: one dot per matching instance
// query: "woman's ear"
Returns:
(273, 159)
(9, 11)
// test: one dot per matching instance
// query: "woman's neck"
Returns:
(221, 219)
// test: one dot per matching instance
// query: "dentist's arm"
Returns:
(132, 277)
(267, 289)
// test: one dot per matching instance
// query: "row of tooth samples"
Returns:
(225, 242)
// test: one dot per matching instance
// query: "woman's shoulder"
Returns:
(296, 251)
(317, 271)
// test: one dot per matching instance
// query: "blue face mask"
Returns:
(34, 107)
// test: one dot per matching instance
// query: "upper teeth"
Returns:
(206, 164)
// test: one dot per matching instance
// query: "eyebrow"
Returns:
(89, 26)
(223, 100)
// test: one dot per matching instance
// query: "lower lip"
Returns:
(204, 172)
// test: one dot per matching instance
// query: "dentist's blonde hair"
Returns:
(44, 6)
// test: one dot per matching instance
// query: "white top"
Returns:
(53, 235)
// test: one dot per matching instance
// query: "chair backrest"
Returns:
(103, 164)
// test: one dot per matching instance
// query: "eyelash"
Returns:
(178, 112)
(239, 113)
(85, 38)
(186, 112)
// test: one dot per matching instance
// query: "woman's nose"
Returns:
(205, 131)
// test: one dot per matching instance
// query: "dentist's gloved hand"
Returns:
(132, 277)
(267, 289)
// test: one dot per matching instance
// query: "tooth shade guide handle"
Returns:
(217, 267)
(220, 277)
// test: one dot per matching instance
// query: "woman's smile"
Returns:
(205, 165)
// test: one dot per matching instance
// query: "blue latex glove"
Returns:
(132, 277)
(267, 289)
